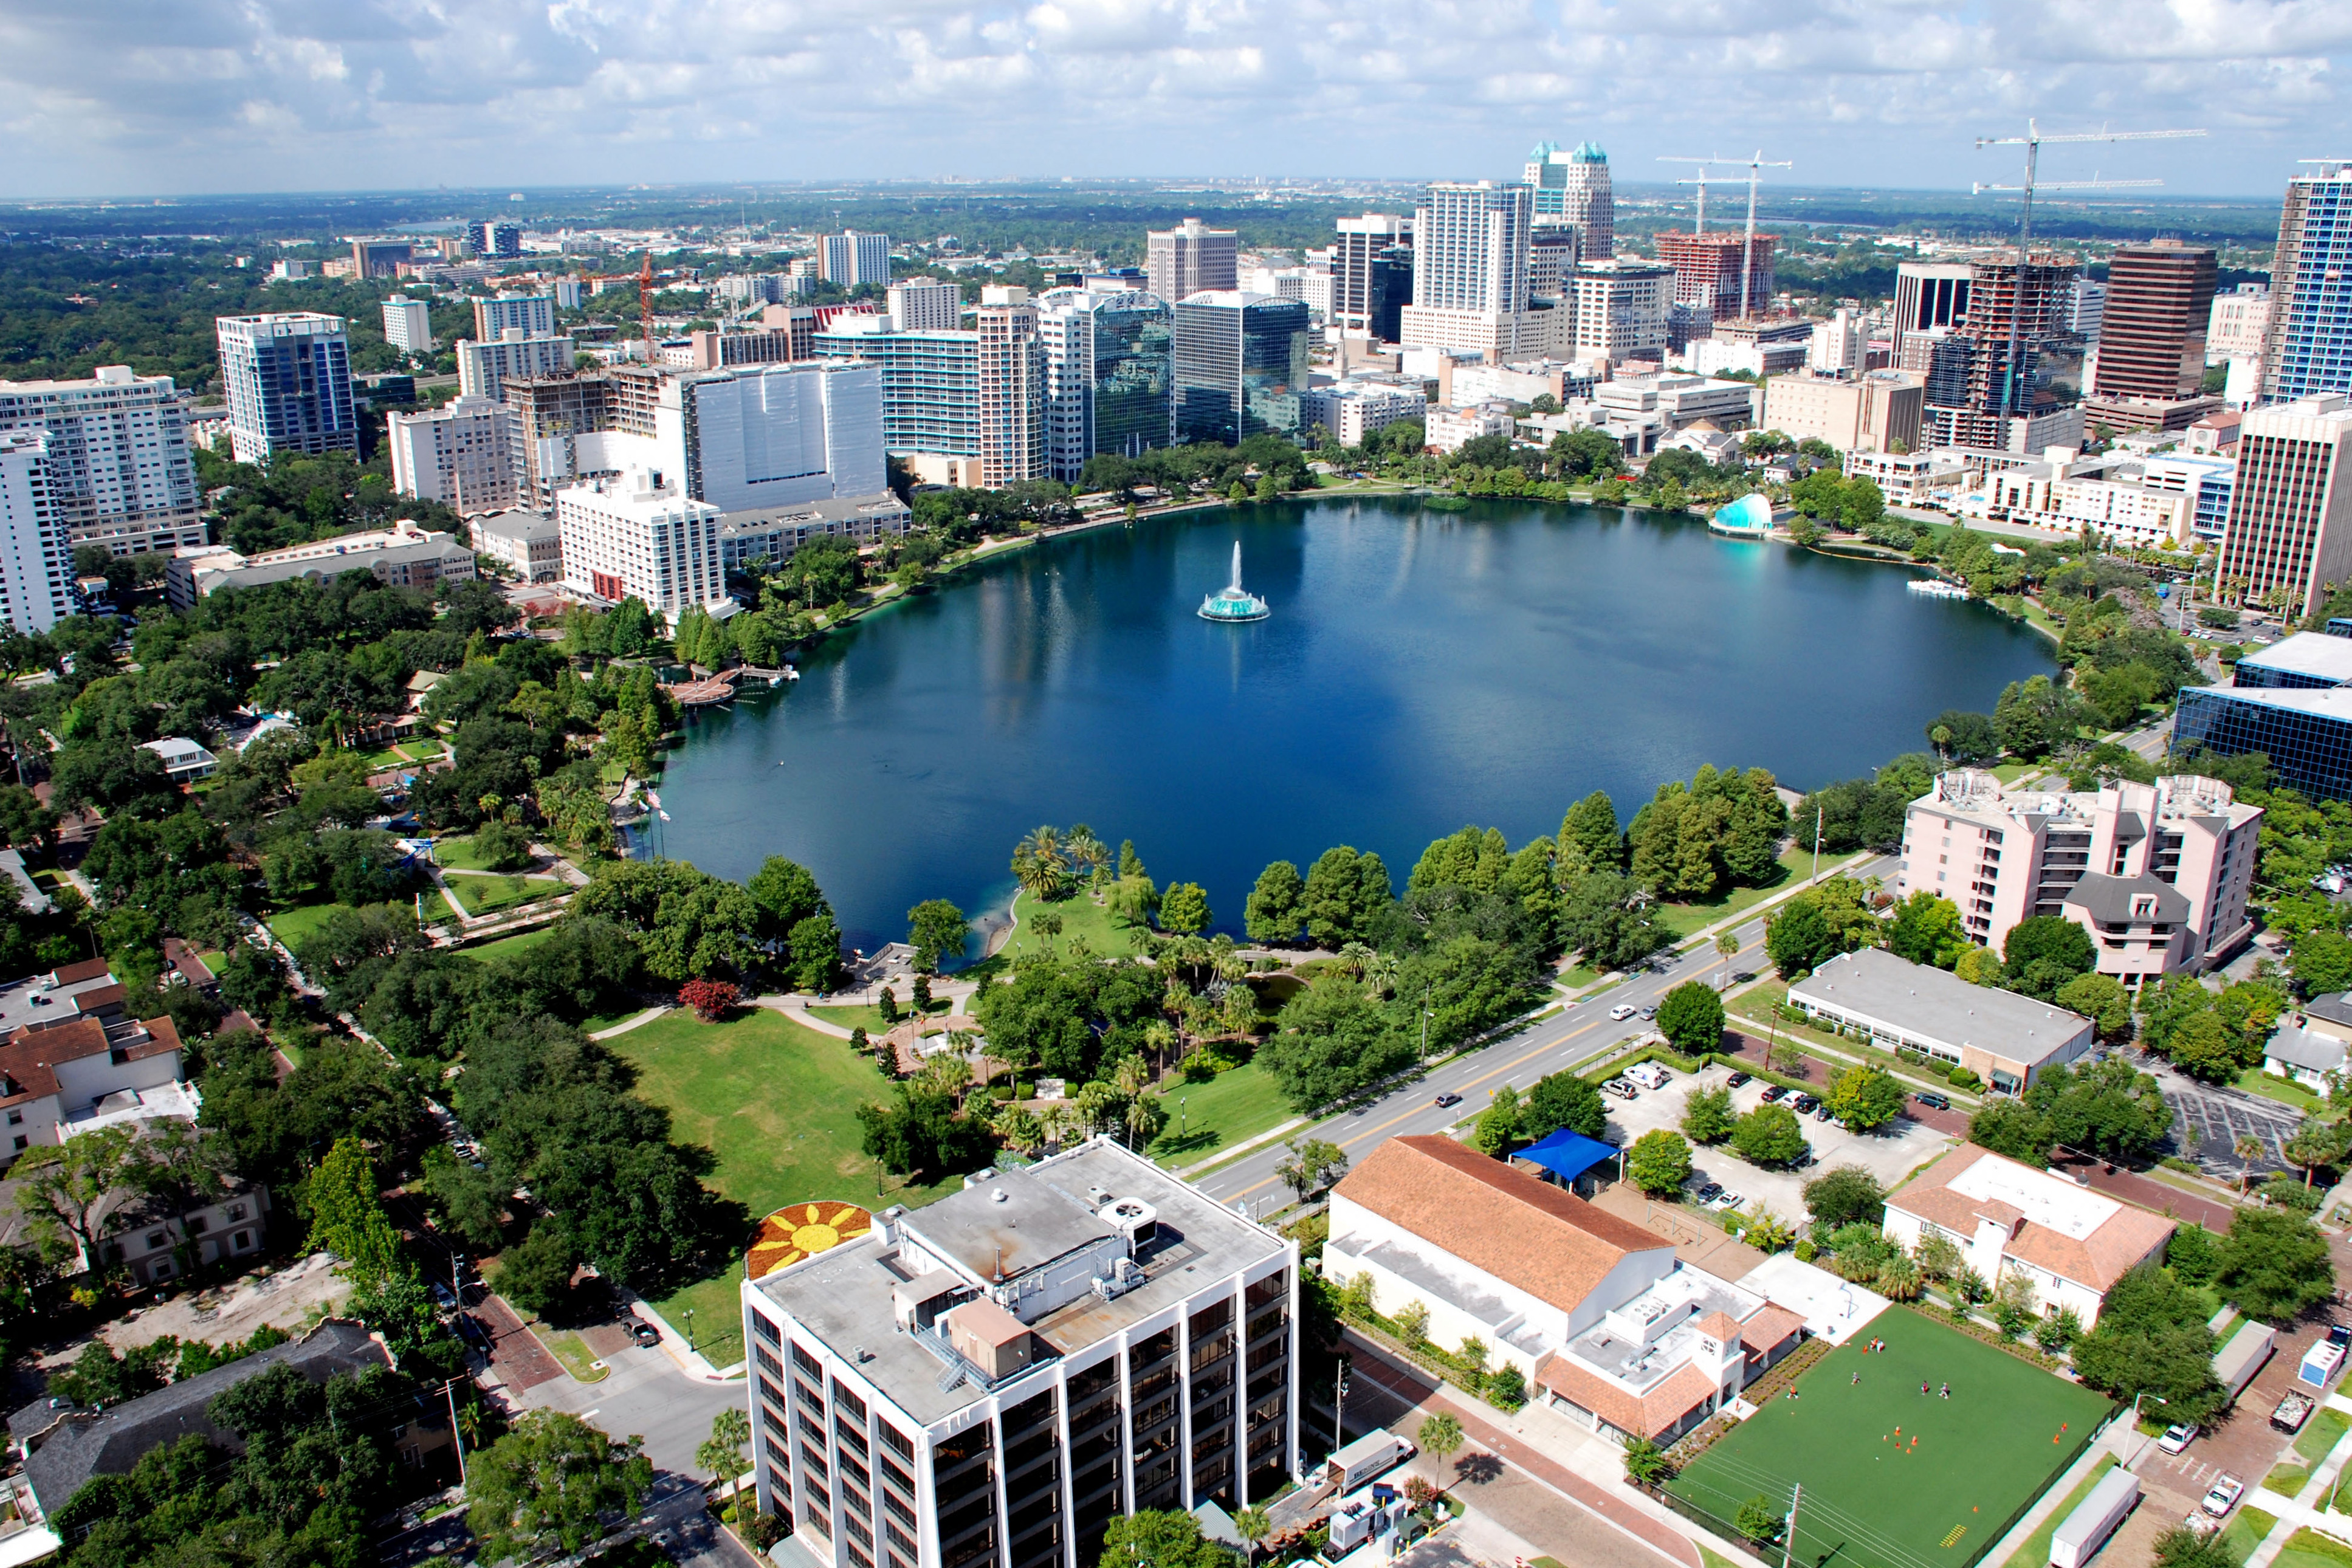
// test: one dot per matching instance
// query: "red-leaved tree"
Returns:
(709, 998)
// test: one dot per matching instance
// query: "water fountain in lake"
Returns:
(1233, 602)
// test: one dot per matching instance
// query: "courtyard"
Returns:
(1892, 1478)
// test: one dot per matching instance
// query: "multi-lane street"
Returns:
(1561, 1039)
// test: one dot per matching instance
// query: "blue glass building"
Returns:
(2310, 347)
(2306, 732)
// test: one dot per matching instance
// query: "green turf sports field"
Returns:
(1935, 1496)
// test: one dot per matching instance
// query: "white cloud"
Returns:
(190, 95)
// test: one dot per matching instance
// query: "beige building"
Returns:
(2290, 525)
(1621, 310)
(1878, 412)
(2158, 874)
(1012, 365)
(461, 454)
(1185, 260)
(1909, 478)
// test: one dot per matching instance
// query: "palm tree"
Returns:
(1729, 946)
(1159, 1039)
(1379, 973)
(1439, 1437)
(1252, 1524)
(1040, 862)
(1355, 955)
(2246, 1148)
(1085, 849)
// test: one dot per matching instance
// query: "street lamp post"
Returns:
(689, 1328)
(2143, 1394)
(1184, 1125)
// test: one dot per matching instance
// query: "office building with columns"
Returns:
(988, 1381)
(1190, 259)
(2289, 529)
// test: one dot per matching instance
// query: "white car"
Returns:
(2223, 1497)
(1649, 1075)
(2176, 1437)
(1725, 1201)
(1623, 1011)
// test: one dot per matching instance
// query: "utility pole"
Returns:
(456, 1436)
(1339, 1406)
(1817, 841)
(1789, 1542)
(2031, 142)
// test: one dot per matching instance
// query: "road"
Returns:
(646, 1393)
(1563, 1040)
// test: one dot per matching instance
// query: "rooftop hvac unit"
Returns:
(1132, 1218)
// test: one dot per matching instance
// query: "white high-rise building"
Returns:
(288, 379)
(1183, 261)
(1621, 310)
(1470, 269)
(35, 558)
(1838, 343)
(531, 314)
(484, 367)
(408, 325)
(119, 473)
(850, 258)
(639, 535)
(461, 454)
(778, 434)
(924, 305)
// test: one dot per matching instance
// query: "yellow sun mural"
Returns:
(804, 1230)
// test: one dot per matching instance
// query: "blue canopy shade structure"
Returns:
(1566, 1154)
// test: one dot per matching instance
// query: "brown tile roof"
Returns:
(1769, 1328)
(2126, 1240)
(28, 1060)
(74, 974)
(1720, 1326)
(1646, 1413)
(1550, 1243)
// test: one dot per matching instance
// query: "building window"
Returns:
(158, 1240)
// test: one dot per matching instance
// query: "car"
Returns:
(1805, 1104)
(2176, 1437)
(1621, 1090)
(2223, 1497)
(1623, 1011)
(1820, 1113)
(1651, 1011)
(1448, 1098)
(644, 1333)
(441, 1295)
(2340, 1334)
(1772, 1093)
(1725, 1201)
(1933, 1101)
(1735, 1080)
(1710, 1192)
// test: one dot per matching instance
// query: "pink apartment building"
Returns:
(2158, 873)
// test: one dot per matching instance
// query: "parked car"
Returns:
(1735, 1080)
(1448, 1098)
(2223, 1497)
(1772, 1093)
(1804, 1104)
(1933, 1101)
(1724, 1200)
(2340, 1334)
(1710, 1192)
(442, 1297)
(1820, 1113)
(2176, 1437)
(644, 1333)
(1623, 1011)
(1649, 1075)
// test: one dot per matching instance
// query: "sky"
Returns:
(169, 97)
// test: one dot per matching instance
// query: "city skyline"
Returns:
(215, 98)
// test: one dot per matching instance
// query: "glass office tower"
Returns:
(1240, 364)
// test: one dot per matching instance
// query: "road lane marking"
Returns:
(1406, 1115)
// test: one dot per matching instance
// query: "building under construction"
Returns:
(1707, 269)
(1954, 323)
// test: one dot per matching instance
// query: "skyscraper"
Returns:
(1575, 185)
(2309, 348)
(495, 241)
(482, 368)
(2152, 331)
(408, 325)
(120, 473)
(921, 305)
(1930, 294)
(1011, 365)
(35, 560)
(1110, 375)
(1470, 268)
(1183, 261)
(1371, 275)
(1708, 267)
(1240, 364)
(1953, 325)
(534, 313)
(289, 380)
(850, 258)
(2289, 531)
(1621, 309)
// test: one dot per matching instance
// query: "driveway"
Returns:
(1890, 1154)
(646, 1393)
(2220, 1117)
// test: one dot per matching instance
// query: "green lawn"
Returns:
(487, 895)
(869, 1017)
(1795, 866)
(2286, 1091)
(1945, 1487)
(521, 942)
(777, 1104)
(1231, 1108)
(2035, 1552)
(1081, 916)
(2309, 1548)
(2245, 1530)
(295, 926)
(457, 852)
(2311, 1444)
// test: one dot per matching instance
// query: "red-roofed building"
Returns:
(72, 1059)
(1598, 1313)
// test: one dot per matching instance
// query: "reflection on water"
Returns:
(1421, 671)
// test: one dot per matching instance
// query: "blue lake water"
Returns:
(1421, 670)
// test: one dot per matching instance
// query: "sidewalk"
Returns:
(2307, 1509)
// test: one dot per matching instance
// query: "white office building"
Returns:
(2238, 323)
(459, 454)
(1353, 409)
(988, 1381)
(1838, 343)
(850, 258)
(923, 305)
(36, 559)
(120, 473)
(639, 535)
(483, 368)
(528, 543)
(408, 325)
(1621, 310)
(1470, 270)
(532, 315)
(288, 379)
(776, 434)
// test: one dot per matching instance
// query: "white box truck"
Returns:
(2078, 1539)
(2236, 1363)
(1374, 1454)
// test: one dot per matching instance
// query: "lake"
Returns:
(1421, 670)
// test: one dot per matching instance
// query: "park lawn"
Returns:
(2308, 1549)
(521, 942)
(485, 895)
(459, 853)
(776, 1104)
(2035, 1552)
(2245, 1530)
(1796, 864)
(1231, 1108)
(2286, 1091)
(295, 926)
(2311, 1444)
(869, 1016)
(1109, 936)
(1958, 1474)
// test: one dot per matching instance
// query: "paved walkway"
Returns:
(2307, 1509)
(1624, 1510)
(648, 1016)
(519, 1359)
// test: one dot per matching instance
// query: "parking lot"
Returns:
(2220, 1117)
(1891, 1153)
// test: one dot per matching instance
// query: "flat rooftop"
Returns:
(2048, 1201)
(1642, 1366)
(2321, 701)
(1936, 1005)
(844, 1296)
(2317, 656)
(28, 1000)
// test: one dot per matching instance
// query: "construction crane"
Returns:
(2031, 142)
(645, 304)
(1700, 227)
(1755, 167)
